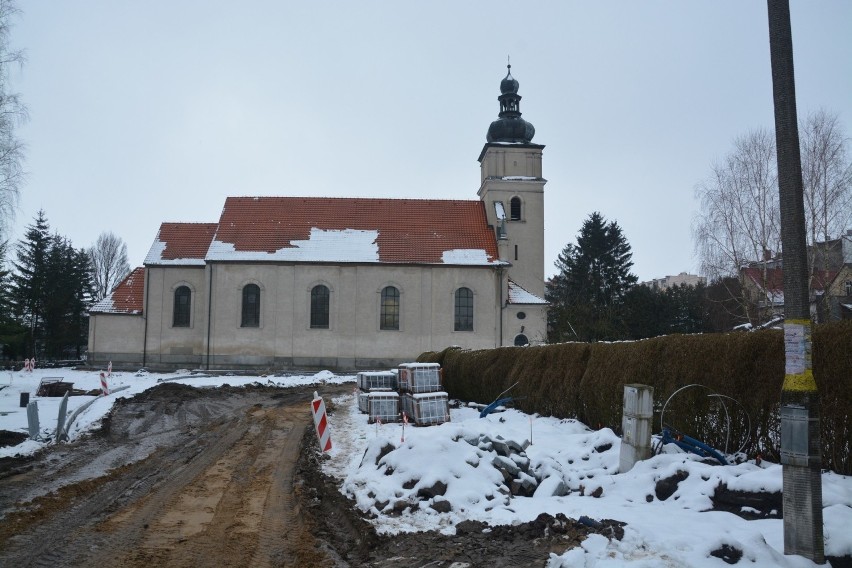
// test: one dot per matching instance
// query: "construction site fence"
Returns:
(736, 405)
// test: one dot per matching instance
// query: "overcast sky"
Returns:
(144, 112)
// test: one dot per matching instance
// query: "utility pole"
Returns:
(800, 436)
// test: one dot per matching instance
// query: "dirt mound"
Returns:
(350, 540)
(749, 505)
(9, 438)
(167, 392)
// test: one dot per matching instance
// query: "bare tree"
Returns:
(109, 263)
(738, 221)
(827, 177)
(12, 113)
(739, 217)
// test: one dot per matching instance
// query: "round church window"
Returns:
(522, 315)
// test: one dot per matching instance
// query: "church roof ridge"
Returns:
(345, 198)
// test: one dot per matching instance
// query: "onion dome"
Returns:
(509, 84)
(510, 127)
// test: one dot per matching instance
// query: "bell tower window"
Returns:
(515, 209)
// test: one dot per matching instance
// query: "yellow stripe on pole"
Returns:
(797, 353)
(803, 382)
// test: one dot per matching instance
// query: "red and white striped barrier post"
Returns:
(321, 422)
(104, 388)
(28, 366)
(109, 369)
(32, 364)
(404, 422)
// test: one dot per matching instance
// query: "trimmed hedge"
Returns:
(586, 381)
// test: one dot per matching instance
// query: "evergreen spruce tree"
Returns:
(50, 291)
(646, 312)
(27, 290)
(12, 334)
(68, 291)
(587, 293)
(82, 284)
(687, 309)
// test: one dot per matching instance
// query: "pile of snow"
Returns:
(508, 468)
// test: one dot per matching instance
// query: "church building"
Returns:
(342, 283)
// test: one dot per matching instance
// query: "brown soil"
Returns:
(179, 476)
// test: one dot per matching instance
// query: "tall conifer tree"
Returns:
(28, 281)
(594, 275)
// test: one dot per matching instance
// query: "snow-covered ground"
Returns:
(14, 418)
(673, 532)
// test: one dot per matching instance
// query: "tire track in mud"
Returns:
(219, 493)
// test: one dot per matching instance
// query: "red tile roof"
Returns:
(774, 283)
(181, 241)
(409, 230)
(126, 298)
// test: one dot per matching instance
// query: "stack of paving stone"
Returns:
(378, 396)
(421, 394)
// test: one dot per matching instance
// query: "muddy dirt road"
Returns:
(179, 476)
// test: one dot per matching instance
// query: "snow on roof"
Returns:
(181, 244)
(411, 231)
(347, 245)
(520, 178)
(126, 298)
(517, 295)
(466, 256)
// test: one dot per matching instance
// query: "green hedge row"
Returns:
(585, 381)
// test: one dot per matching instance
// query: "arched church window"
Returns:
(251, 306)
(320, 301)
(183, 303)
(389, 316)
(515, 209)
(464, 310)
(521, 340)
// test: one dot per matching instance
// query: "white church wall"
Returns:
(116, 338)
(353, 339)
(166, 344)
(533, 324)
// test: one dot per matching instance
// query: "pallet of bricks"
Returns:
(421, 394)
(378, 396)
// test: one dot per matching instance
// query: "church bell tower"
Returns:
(513, 190)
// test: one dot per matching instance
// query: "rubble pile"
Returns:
(515, 477)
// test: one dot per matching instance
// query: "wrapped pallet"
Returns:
(383, 405)
(420, 377)
(364, 402)
(372, 380)
(426, 408)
